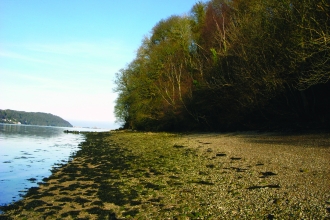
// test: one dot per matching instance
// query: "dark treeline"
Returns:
(231, 64)
(32, 118)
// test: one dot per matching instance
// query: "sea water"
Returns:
(29, 153)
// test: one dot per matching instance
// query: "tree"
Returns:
(229, 64)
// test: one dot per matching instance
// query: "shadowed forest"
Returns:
(231, 64)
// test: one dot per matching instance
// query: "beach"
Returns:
(144, 175)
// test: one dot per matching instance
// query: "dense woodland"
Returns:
(231, 64)
(31, 118)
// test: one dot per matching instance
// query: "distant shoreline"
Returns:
(99, 124)
(32, 118)
(34, 125)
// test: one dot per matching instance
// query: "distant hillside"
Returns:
(32, 118)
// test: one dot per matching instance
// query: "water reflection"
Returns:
(27, 155)
(28, 130)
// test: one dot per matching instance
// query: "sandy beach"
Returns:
(136, 175)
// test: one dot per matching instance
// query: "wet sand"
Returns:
(135, 175)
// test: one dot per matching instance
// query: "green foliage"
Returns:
(228, 65)
(32, 118)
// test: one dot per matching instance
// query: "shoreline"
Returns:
(28, 153)
(135, 175)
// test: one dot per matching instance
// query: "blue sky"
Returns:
(61, 56)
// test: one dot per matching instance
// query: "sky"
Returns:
(62, 56)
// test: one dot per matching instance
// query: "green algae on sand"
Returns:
(136, 175)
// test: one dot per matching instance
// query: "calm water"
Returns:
(28, 153)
